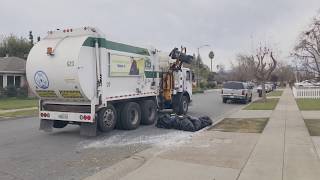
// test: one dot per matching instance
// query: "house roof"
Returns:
(12, 65)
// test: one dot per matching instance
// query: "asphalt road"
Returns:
(29, 154)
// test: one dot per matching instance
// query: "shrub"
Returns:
(203, 85)
(211, 84)
(22, 92)
(2, 93)
(11, 91)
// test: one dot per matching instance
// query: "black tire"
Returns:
(149, 112)
(183, 106)
(130, 116)
(107, 118)
(224, 100)
(60, 124)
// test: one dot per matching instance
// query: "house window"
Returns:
(1, 81)
(10, 80)
(17, 81)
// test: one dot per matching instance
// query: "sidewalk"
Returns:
(283, 151)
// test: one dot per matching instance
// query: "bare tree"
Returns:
(263, 68)
(285, 73)
(242, 70)
(307, 50)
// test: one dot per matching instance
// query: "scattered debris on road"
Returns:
(151, 137)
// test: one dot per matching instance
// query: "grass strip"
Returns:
(270, 104)
(242, 125)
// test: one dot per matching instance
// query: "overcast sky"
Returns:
(228, 26)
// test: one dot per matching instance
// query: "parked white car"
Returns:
(268, 88)
(307, 83)
(237, 91)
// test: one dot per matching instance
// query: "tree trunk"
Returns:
(264, 98)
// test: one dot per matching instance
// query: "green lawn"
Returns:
(308, 104)
(259, 105)
(197, 90)
(313, 126)
(21, 113)
(242, 125)
(275, 93)
(16, 103)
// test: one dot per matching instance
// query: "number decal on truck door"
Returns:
(70, 63)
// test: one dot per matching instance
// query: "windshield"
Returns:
(233, 85)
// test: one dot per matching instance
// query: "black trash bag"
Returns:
(196, 123)
(205, 121)
(183, 123)
(165, 121)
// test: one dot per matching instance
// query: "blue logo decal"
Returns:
(41, 80)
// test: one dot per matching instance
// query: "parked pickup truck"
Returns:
(237, 91)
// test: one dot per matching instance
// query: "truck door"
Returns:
(188, 82)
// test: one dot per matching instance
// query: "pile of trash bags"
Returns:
(185, 123)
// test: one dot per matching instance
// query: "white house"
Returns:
(12, 72)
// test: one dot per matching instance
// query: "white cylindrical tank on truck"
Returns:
(83, 78)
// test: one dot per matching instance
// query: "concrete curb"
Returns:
(16, 110)
(14, 118)
(126, 166)
(212, 90)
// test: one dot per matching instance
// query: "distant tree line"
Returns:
(202, 73)
(243, 70)
(16, 46)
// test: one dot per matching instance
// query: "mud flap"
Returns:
(46, 125)
(88, 129)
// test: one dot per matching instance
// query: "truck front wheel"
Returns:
(148, 112)
(130, 116)
(183, 106)
(107, 118)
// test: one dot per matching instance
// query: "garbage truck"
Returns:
(83, 78)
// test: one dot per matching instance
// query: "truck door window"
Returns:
(188, 75)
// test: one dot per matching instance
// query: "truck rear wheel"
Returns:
(148, 112)
(130, 116)
(59, 124)
(107, 118)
